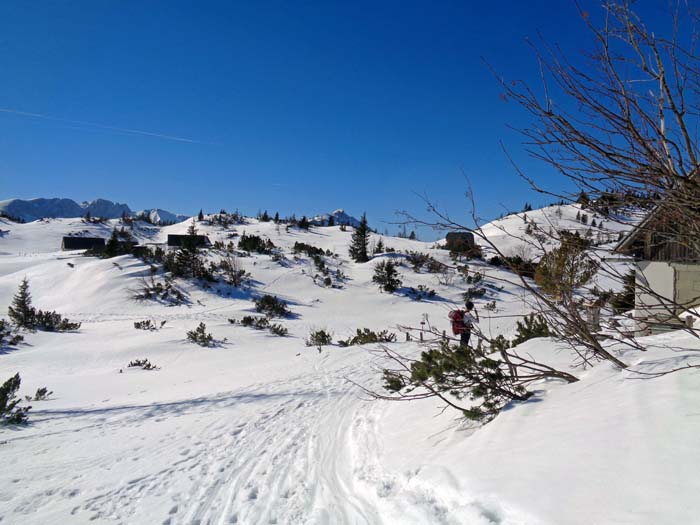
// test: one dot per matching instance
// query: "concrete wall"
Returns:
(678, 285)
(659, 277)
(687, 284)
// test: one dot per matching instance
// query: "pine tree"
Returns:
(187, 261)
(563, 270)
(360, 241)
(112, 247)
(9, 411)
(412, 235)
(200, 217)
(192, 230)
(624, 300)
(531, 326)
(379, 248)
(7, 336)
(331, 220)
(265, 217)
(88, 217)
(200, 336)
(386, 276)
(21, 311)
(304, 223)
(277, 217)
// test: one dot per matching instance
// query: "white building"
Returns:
(667, 280)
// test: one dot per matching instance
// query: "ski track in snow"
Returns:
(299, 450)
(296, 451)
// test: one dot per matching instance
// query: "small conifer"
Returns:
(360, 241)
(192, 230)
(21, 311)
(386, 276)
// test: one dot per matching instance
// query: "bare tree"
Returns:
(621, 126)
(446, 276)
(233, 271)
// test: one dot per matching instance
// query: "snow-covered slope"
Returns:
(515, 234)
(36, 209)
(44, 236)
(263, 429)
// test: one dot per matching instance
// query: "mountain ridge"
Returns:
(29, 210)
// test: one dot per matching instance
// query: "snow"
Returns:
(509, 235)
(262, 429)
(611, 448)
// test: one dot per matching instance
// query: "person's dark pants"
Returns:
(464, 338)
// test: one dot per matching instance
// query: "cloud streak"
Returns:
(100, 126)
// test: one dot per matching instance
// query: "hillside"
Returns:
(509, 233)
(263, 429)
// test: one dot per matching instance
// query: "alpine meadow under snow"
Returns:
(249, 427)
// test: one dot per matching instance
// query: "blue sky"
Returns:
(296, 107)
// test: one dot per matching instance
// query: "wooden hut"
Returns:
(176, 241)
(82, 243)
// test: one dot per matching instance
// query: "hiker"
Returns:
(463, 322)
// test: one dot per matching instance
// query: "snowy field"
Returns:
(265, 430)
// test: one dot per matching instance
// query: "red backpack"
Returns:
(457, 318)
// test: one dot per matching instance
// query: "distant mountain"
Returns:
(35, 209)
(105, 208)
(339, 217)
(158, 216)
